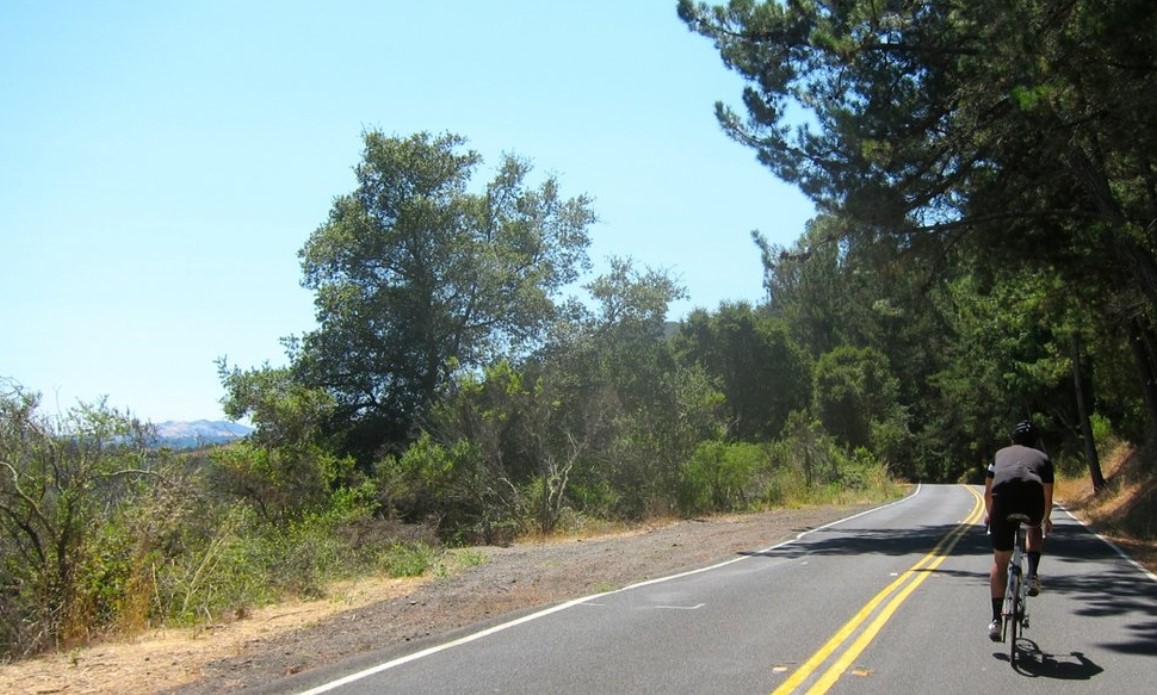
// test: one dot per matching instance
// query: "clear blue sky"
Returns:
(161, 163)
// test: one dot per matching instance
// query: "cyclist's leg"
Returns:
(1034, 503)
(1035, 539)
(998, 578)
(1001, 533)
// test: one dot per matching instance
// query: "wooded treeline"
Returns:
(984, 252)
(989, 167)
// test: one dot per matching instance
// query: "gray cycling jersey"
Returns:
(1018, 463)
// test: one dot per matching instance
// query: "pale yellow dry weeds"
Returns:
(166, 658)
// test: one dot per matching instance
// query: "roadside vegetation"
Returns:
(984, 254)
(108, 537)
(1125, 510)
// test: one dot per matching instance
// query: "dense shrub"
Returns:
(64, 482)
(103, 535)
(721, 477)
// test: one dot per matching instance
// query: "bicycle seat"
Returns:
(1019, 518)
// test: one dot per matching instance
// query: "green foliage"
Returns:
(454, 488)
(893, 443)
(214, 573)
(762, 373)
(596, 497)
(806, 466)
(61, 483)
(246, 562)
(808, 450)
(854, 390)
(721, 477)
(598, 420)
(408, 560)
(980, 144)
(417, 481)
(284, 412)
(914, 116)
(1103, 434)
(102, 534)
(812, 467)
(654, 412)
(285, 469)
(1008, 358)
(283, 484)
(809, 288)
(415, 277)
(467, 557)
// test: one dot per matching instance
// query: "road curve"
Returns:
(892, 600)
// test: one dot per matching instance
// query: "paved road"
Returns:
(891, 601)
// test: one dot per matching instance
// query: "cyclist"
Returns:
(1019, 480)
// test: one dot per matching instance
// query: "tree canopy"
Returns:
(984, 141)
(416, 275)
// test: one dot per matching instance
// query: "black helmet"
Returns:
(1024, 433)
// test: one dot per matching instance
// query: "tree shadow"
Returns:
(844, 541)
(1117, 590)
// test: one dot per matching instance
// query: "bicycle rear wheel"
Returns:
(1016, 609)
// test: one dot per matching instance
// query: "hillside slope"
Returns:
(1126, 510)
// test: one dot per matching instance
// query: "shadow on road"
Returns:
(1119, 590)
(1115, 590)
(1033, 662)
(864, 541)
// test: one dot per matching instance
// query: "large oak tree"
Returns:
(417, 275)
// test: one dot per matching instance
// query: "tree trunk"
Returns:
(1141, 356)
(1083, 418)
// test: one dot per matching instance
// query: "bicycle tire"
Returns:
(1014, 617)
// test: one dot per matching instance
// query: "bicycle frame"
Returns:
(1015, 613)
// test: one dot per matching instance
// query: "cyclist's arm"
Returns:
(1047, 476)
(1048, 520)
(988, 499)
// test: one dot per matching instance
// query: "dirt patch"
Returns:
(289, 638)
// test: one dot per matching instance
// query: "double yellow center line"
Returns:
(897, 591)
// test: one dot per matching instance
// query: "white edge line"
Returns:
(1116, 548)
(326, 687)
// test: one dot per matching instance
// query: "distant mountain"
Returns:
(189, 435)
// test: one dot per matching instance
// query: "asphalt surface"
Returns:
(890, 601)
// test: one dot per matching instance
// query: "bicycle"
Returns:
(1014, 617)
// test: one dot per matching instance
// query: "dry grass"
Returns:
(1126, 509)
(168, 658)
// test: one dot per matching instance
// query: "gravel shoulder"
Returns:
(511, 580)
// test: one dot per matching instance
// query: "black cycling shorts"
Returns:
(1014, 498)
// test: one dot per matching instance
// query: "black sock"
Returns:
(1033, 563)
(997, 607)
